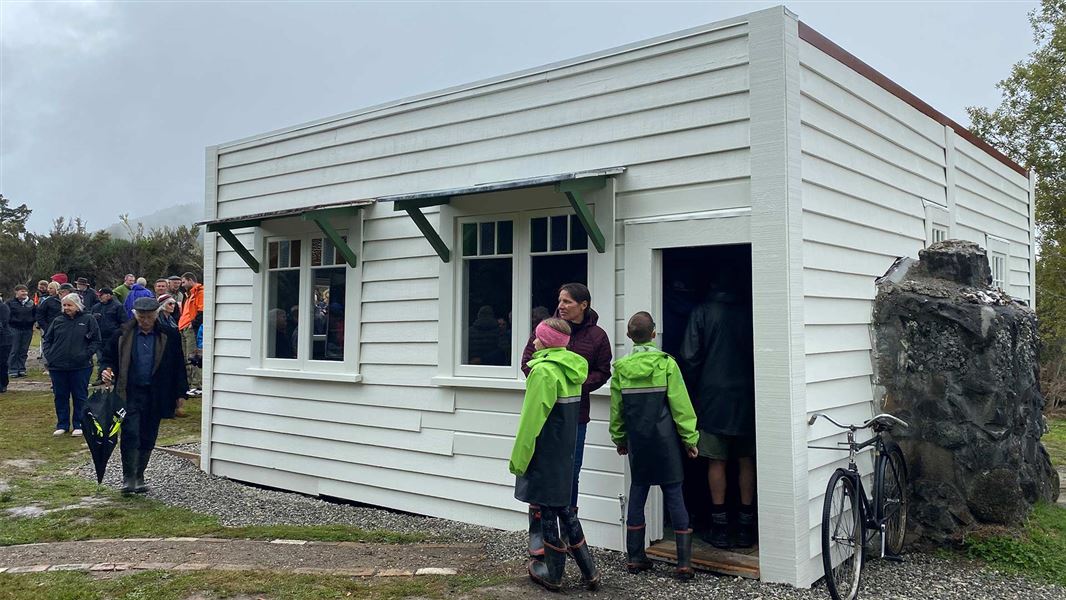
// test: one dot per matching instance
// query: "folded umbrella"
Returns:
(101, 425)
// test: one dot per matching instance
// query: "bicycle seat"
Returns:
(883, 422)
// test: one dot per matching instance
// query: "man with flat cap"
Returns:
(143, 360)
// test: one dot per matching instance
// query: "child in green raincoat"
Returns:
(543, 454)
(653, 422)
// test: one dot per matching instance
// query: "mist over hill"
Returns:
(174, 216)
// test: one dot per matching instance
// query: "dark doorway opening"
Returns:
(689, 277)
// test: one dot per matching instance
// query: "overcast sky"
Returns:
(105, 108)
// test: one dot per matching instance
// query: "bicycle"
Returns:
(849, 514)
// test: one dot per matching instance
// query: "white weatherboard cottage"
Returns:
(362, 260)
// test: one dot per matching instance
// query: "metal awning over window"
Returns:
(319, 214)
(574, 185)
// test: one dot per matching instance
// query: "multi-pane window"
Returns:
(488, 270)
(939, 233)
(501, 255)
(306, 288)
(283, 298)
(998, 262)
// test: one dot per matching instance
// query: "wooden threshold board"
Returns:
(708, 558)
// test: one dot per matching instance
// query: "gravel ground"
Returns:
(178, 482)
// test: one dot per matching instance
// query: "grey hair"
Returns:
(75, 300)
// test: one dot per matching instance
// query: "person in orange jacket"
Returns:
(192, 316)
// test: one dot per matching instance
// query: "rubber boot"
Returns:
(548, 572)
(536, 534)
(636, 559)
(139, 486)
(746, 527)
(130, 458)
(579, 550)
(684, 570)
(562, 530)
(719, 536)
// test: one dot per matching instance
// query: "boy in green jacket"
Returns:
(651, 418)
(543, 454)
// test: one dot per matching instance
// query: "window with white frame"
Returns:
(510, 265)
(998, 254)
(306, 291)
(937, 223)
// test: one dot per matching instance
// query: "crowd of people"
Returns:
(653, 422)
(81, 328)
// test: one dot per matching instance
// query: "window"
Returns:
(998, 252)
(308, 289)
(502, 254)
(937, 223)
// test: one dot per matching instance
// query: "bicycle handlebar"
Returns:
(865, 425)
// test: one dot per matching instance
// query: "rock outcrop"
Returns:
(958, 360)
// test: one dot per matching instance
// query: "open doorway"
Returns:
(691, 277)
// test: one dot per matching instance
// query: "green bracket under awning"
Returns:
(414, 209)
(322, 217)
(575, 189)
(226, 231)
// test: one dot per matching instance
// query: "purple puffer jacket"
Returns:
(590, 341)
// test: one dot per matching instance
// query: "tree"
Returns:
(1030, 127)
(13, 220)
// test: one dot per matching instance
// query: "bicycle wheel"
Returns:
(891, 479)
(842, 537)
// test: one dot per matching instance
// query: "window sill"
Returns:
(312, 375)
(495, 383)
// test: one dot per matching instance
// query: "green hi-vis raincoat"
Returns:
(543, 454)
(650, 411)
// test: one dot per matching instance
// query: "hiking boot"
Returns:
(636, 559)
(684, 570)
(536, 534)
(719, 532)
(579, 550)
(130, 457)
(746, 527)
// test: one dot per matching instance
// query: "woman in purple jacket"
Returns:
(590, 341)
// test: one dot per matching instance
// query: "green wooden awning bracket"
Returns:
(575, 190)
(414, 210)
(226, 231)
(322, 217)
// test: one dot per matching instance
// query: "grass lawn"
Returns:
(1038, 550)
(39, 471)
(160, 585)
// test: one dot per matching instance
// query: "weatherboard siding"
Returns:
(871, 164)
(673, 112)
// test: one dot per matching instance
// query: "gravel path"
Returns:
(178, 482)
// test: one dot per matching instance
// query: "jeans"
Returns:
(672, 497)
(188, 347)
(67, 384)
(20, 347)
(579, 456)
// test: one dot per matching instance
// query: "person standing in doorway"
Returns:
(718, 359)
(192, 316)
(144, 363)
(70, 343)
(590, 341)
(23, 316)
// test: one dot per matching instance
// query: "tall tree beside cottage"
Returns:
(1030, 127)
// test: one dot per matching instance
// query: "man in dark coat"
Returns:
(144, 362)
(23, 316)
(110, 316)
(5, 344)
(87, 293)
(717, 359)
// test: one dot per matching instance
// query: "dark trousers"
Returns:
(140, 428)
(672, 497)
(20, 348)
(66, 385)
(4, 351)
(579, 457)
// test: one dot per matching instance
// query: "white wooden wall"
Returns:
(674, 111)
(870, 163)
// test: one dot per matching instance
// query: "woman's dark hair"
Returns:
(578, 291)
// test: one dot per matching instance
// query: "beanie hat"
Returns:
(551, 338)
